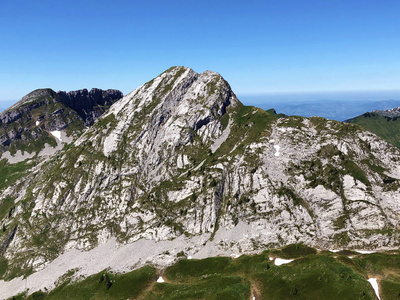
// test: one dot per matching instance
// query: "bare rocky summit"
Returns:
(182, 165)
(390, 113)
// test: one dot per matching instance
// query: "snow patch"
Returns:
(37, 123)
(56, 134)
(281, 261)
(375, 286)
(160, 279)
(365, 251)
(277, 148)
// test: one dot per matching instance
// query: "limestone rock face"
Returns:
(181, 158)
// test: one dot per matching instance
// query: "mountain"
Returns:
(384, 123)
(181, 168)
(44, 117)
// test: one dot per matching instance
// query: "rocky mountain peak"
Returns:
(43, 114)
(37, 94)
(181, 164)
(170, 108)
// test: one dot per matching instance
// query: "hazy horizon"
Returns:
(331, 105)
(320, 96)
(298, 96)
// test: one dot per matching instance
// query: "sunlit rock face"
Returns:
(181, 159)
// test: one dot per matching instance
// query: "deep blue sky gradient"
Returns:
(270, 46)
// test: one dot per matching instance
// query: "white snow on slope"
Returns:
(281, 261)
(56, 134)
(37, 123)
(365, 251)
(160, 279)
(276, 150)
(374, 284)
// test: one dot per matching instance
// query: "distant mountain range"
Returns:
(339, 110)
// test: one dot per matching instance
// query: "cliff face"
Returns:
(89, 105)
(27, 125)
(181, 159)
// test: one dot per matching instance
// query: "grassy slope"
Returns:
(386, 128)
(311, 275)
(9, 173)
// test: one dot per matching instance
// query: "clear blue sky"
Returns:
(269, 46)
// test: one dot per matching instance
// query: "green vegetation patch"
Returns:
(6, 209)
(390, 289)
(249, 125)
(185, 270)
(313, 277)
(381, 264)
(104, 285)
(9, 173)
(212, 287)
(294, 251)
(33, 145)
